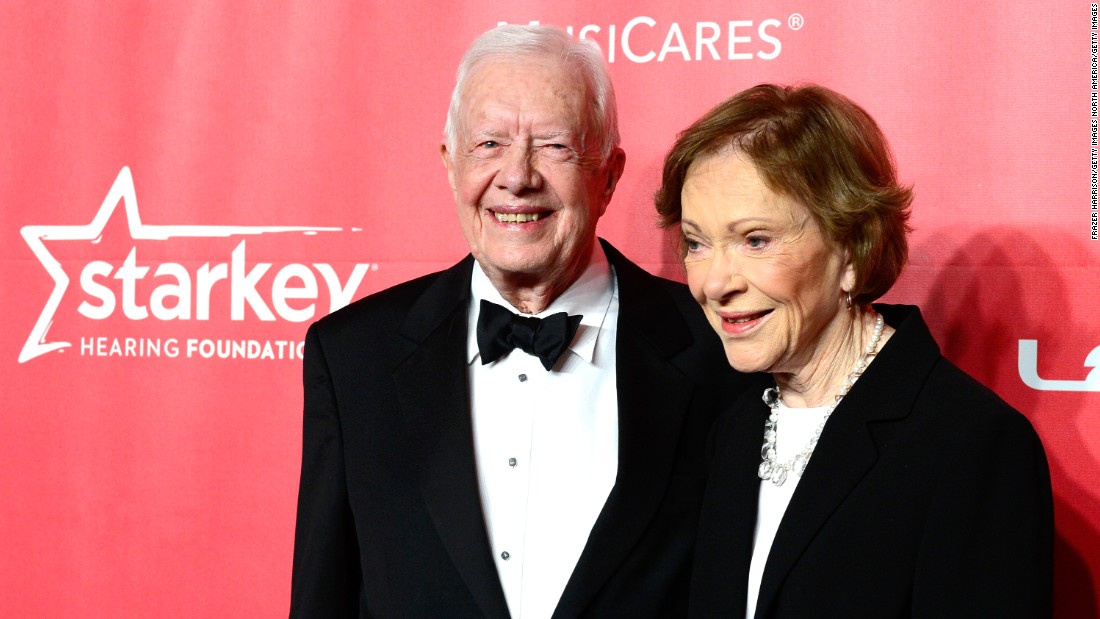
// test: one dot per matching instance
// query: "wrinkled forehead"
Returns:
(541, 88)
(728, 179)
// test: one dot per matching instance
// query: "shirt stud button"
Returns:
(512, 462)
(522, 378)
(504, 555)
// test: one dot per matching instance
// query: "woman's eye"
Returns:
(691, 244)
(756, 242)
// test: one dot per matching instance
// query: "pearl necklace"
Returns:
(777, 472)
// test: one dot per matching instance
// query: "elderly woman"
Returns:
(866, 476)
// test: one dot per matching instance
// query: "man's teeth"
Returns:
(517, 218)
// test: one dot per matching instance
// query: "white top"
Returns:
(793, 432)
(546, 443)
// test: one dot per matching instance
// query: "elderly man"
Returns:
(522, 434)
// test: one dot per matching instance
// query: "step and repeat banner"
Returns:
(185, 186)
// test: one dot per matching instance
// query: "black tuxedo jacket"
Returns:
(390, 522)
(927, 496)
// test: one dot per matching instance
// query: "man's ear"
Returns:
(448, 163)
(616, 163)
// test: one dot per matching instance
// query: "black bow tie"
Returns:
(500, 330)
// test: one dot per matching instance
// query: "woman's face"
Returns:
(762, 269)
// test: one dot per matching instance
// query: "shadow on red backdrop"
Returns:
(1000, 284)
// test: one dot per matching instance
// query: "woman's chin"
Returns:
(746, 364)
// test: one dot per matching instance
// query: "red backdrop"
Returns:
(185, 185)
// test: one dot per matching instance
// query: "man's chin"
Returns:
(519, 266)
(535, 267)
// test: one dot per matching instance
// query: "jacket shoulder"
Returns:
(383, 309)
(970, 408)
(659, 296)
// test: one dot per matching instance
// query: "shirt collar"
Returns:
(590, 296)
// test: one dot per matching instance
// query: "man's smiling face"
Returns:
(526, 170)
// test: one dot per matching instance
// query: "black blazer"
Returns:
(927, 496)
(389, 520)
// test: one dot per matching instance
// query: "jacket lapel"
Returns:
(434, 393)
(728, 522)
(847, 450)
(653, 396)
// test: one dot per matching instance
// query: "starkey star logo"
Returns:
(172, 292)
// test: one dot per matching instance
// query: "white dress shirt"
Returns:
(793, 432)
(546, 443)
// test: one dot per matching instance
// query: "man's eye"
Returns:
(489, 144)
(559, 152)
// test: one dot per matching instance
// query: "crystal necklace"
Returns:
(777, 471)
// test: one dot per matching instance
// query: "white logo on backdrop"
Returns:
(1029, 371)
(688, 41)
(122, 191)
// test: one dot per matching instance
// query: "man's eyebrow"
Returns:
(558, 133)
(486, 133)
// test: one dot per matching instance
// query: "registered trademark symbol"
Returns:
(795, 21)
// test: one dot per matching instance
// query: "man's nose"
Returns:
(519, 172)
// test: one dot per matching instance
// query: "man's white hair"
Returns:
(509, 41)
